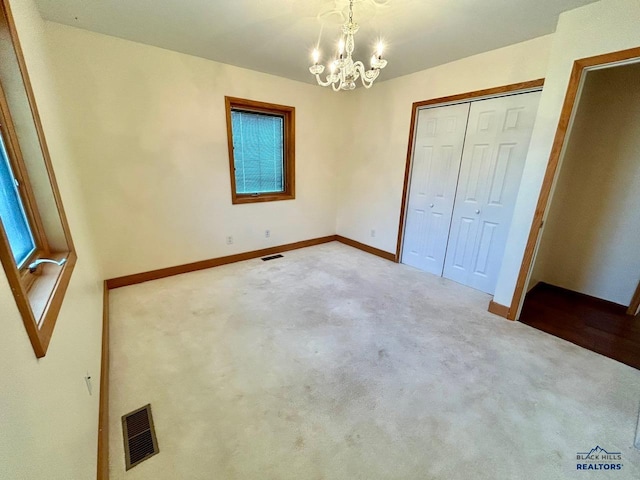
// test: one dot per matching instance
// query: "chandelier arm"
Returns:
(359, 67)
(371, 79)
(321, 83)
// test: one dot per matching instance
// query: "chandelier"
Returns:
(343, 71)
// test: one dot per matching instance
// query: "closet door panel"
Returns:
(495, 149)
(437, 152)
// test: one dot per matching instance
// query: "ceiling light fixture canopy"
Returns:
(343, 70)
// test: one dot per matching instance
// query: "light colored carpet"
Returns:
(331, 363)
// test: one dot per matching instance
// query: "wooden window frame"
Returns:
(25, 190)
(288, 114)
(38, 295)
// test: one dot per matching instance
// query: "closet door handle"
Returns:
(431, 205)
(477, 212)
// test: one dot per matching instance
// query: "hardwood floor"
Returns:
(592, 323)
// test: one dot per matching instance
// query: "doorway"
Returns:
(466, 164)
(584, 284)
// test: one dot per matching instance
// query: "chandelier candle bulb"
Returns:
(344, 71)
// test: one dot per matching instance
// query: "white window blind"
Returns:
(12, 212)
(258, 152)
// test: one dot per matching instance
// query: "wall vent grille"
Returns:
(140, 440)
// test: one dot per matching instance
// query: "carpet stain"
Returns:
(352, 440)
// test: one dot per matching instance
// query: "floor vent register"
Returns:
(272, 257)
(140, 441)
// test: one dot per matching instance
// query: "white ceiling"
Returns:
(277, 36)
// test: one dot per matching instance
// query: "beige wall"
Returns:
(138, 141)
(48, 420)
(150, 152)
(372, 174)
(602, 27)
(590, 244)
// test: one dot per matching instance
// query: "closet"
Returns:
(466, 169)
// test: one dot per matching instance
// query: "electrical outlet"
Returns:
(229, 240)
(373, 233)
(267, 233)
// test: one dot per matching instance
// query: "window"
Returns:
(13, 214)
(36, 250)
(261, 150)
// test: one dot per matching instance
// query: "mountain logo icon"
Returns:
(598, 450)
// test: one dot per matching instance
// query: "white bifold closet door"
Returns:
(466, 170)
(439, 138)
(495, 149)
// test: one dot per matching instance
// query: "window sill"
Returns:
(42, 286)
(40, 305)
(264, 197)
